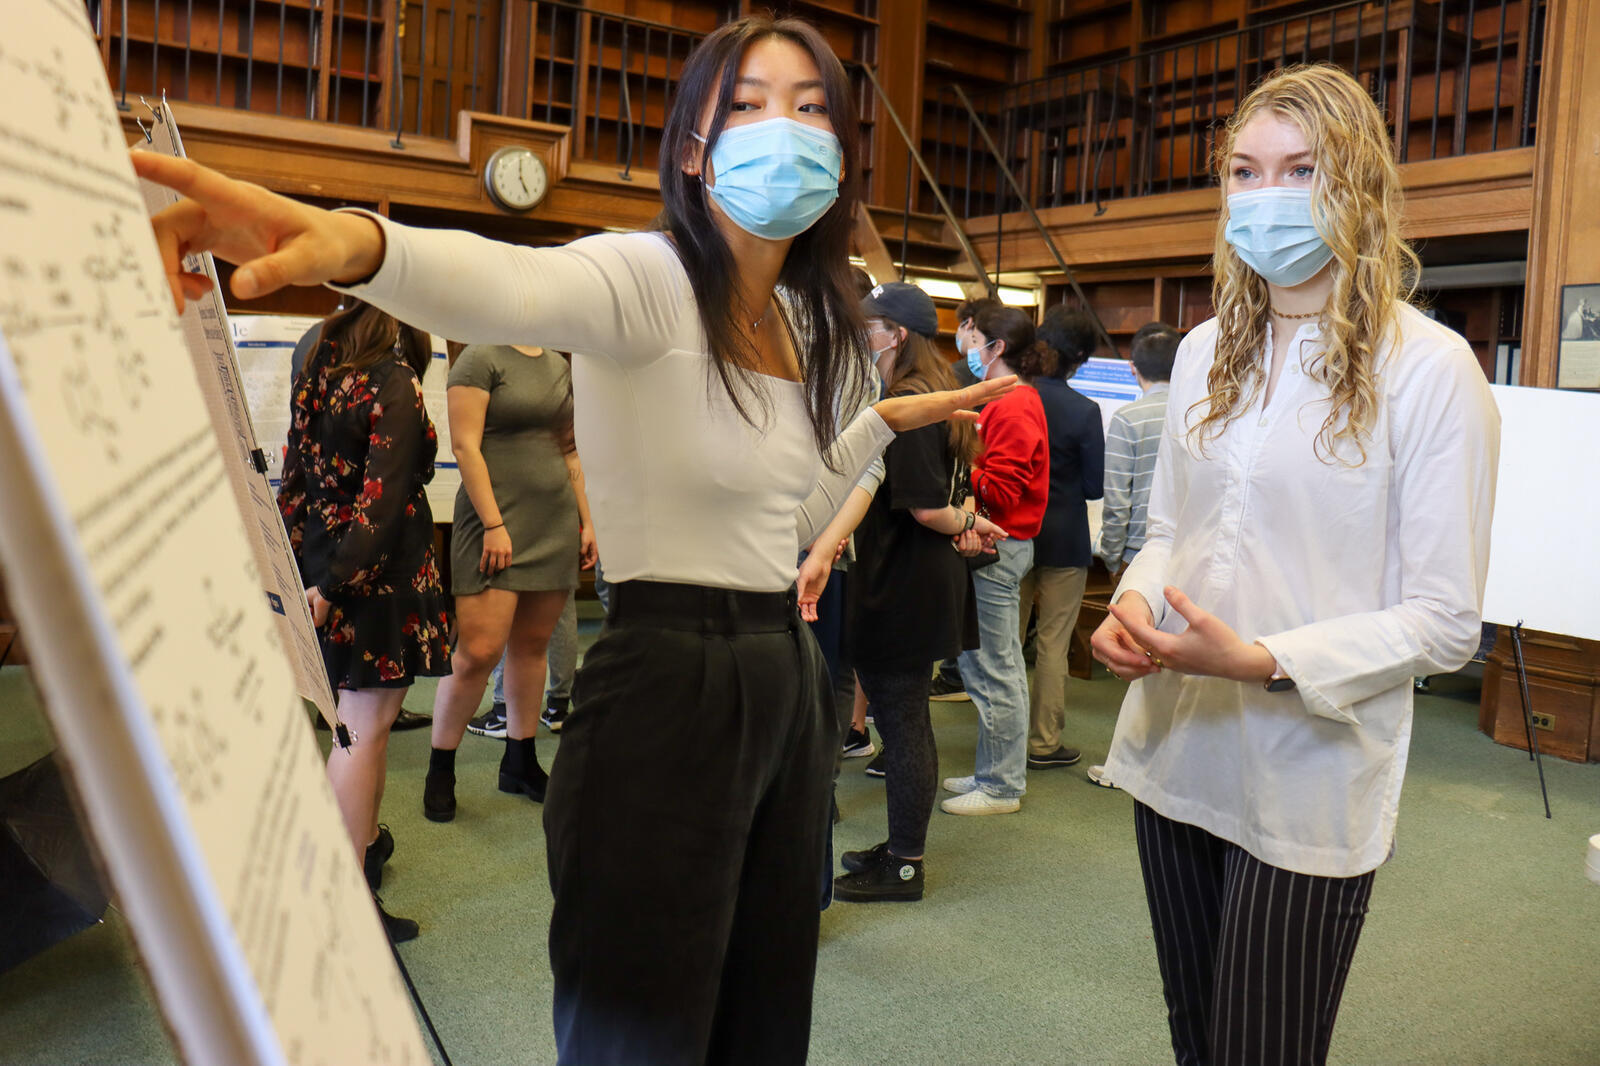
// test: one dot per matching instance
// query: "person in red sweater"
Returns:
(1010, 485)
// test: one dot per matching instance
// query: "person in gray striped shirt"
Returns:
(1131, 442)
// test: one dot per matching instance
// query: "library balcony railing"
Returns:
(1452, 77)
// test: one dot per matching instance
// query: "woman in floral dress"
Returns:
(361, 450)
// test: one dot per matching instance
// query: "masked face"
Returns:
(975, 357)
(1271, 176)
(884, 342)
(777, 163)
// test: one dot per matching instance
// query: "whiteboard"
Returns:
(1544, 558)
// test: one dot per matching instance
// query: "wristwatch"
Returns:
(1279, 682)
(972, 520)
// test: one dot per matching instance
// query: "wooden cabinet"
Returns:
(1563, 685)
(1128, 299)
(322, 59)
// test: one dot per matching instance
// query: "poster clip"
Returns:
(258, 459)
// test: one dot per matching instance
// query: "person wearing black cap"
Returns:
(910, 600)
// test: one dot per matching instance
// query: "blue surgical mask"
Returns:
(1273, 233)
(975, 363)
(776, 177)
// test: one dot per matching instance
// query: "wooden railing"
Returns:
(1453, 77)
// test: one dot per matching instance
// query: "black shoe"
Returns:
(491, 723)
(399, 929)
(1059, 757)
(377, 854)
(439, 796)
(875, 767)
(891, 879)
(520, 772)
(856, 861)
(555, 715)
(409, 720)
(858, 744)
(947, 691)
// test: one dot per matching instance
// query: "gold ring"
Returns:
(1156, 661)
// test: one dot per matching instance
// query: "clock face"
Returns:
(516, 178)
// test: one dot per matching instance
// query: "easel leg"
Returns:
(1527, 713)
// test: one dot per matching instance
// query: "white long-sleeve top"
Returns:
(681, 488)
(1356, 578)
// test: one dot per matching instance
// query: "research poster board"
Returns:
(1109, 383)
(156, 655)
(265, 344)
(1544, 555)
(205, 327)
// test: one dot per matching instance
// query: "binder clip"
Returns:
(343, 737)
(258, 459)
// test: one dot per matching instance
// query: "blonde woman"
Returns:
(1318, 535)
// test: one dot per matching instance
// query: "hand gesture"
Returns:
(1209, 646)
(496, 551)
(319, 606)
(588, 550)
(275, 241)
(989, 533)
(968, 542)
(812, 579)
(1113, 642)
(924, 409)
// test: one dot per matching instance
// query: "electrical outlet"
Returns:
(1544, 721)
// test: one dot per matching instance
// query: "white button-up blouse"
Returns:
(1355, 577)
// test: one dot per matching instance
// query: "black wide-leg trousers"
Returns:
(685, 825)
(1253, 957)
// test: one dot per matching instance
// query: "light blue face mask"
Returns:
(776, 177)
(975, 362)
(1272, 231)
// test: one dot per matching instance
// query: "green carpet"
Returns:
(1032, 946)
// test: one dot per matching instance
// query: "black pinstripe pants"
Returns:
(1253, 957)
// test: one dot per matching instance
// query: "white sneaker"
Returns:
(1097, 775)
(960, 785)
(980, 802)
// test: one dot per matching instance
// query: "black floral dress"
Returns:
(361, 448)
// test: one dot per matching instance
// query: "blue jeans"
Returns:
(995, 675)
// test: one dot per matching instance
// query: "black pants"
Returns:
(1253, 957)
(684, 825)
(899, 700)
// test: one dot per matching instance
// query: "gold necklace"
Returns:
(1309, 314)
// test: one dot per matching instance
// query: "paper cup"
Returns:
(1593, 865)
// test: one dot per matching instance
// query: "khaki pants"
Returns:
(1058, 590)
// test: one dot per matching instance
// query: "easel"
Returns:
(1527, 712)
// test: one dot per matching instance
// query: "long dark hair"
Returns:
(816, 277)
(1024, 353)
(363, 336)
(919, 368)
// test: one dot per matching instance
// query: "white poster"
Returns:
(157, 657)
(205, 327)
(1109, 383)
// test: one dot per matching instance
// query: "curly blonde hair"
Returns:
(1356, 203)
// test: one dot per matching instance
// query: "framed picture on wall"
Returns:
(1578, 362)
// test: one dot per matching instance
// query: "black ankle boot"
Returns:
(891, 878)
(520, 771)
(439, 790)
(377, 854)
(399, 929)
